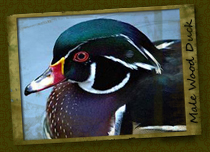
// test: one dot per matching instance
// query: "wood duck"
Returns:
(104, 66)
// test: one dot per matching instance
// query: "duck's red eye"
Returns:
(81, 56)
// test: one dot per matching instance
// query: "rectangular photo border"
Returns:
(190, 74)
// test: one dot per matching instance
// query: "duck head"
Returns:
(99, 55)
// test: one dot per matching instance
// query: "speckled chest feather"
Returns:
(72, 112)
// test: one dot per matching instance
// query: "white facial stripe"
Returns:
(116, 35)
(87, 85)
(158, 68)
(131, 66)
(145, 53)
(73, 50)
(134, 65)
(164, 45)
(131, 42)
(102, 37)
(145, 66)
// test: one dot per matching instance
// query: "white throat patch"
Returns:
(88, 84)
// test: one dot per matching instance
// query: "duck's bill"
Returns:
(52, 76)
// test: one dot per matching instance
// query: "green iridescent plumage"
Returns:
(96, 29)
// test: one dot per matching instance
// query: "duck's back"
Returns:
(159, 99)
